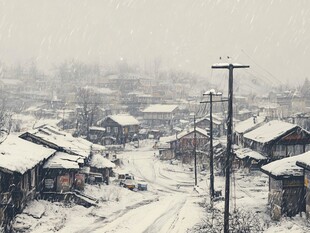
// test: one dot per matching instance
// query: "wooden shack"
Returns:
(21, 175)
(278, 139)
(304, 163)
(286, 186)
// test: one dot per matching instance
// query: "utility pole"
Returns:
(195, 153)
(212, 93)
(231, 68)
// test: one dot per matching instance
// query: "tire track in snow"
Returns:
(100, 220)
(161, 221)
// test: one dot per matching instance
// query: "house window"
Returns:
(33, 178)
(109, 129)
(25, 181)
(115, 129)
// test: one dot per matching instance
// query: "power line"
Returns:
(264, 69)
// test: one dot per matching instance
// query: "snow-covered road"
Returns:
(169, 205)
(174, 209)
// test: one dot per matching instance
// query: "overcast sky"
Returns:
(271, 36)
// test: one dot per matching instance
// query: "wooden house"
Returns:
(286, 186)
(121, 128)
(278, 139)
(218, 124)
(246, 126)
(96, 134)
(161, 114)
(183, 144)
(72, 154)
(99, 164)
(63, 173)
(21, 177)
(249, 159)
(164, 147)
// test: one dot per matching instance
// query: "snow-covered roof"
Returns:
(161, 108)
(287, 166)
(99, 161)
(62, 140)
(19, 155)
(248, 153)
(97, 128)
(304, 161)
(215, 121)
(98, 147)
(63, 160)
(186, 132)
(248, 124)
(164, 142)
(269, 131)
(124, 119)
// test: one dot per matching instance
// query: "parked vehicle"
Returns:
(127, 181)
(130, 184)
(142, 185)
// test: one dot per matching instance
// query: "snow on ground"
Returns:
(170, 205)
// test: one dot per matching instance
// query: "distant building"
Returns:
(182, 145)
(160, 114)
(119, 129)
(218, 124)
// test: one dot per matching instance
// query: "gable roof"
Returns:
(287, 167)
(187, 132)
(248, 124)
(304, 161)
(19, 155)
(270, 131)
(60, 140)
(160, 108)
(62, 160)
(124, 119)
(243, 153)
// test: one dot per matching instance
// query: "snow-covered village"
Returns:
(133, 116)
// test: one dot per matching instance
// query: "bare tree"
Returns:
(89, 103)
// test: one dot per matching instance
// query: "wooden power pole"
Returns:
(230, 67)
(195, 150)
(212, 93)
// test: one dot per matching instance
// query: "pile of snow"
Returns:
(99, 161)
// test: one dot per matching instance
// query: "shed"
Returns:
(249, 159)
(286, 186)
(304, 163)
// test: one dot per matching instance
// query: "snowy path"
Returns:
(174, 209)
